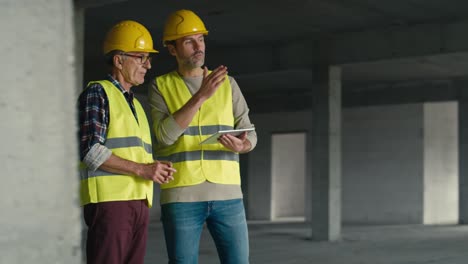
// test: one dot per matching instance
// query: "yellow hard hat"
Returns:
(128, 36)
(183, 23)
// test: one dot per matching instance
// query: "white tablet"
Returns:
(235, 132)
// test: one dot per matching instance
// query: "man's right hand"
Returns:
(159, 171)
(210, 84)
(212, 81)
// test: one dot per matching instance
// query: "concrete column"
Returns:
(324, 150)
(79, 16)
(40, 220)
(463, 151)
(79, 19)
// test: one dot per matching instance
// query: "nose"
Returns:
(147, 64)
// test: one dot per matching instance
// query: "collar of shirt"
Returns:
(117, 84)
(127, 94)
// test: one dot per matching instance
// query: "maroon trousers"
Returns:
(117, 232)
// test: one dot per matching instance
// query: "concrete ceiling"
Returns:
(247, 22)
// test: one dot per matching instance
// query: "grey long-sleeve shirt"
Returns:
(167, 131)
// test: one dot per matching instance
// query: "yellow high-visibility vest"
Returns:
(128, 139)
(197, 163)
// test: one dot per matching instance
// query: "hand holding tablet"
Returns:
(235, 132)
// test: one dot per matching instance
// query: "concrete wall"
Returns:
(440, 163)
(40, 220)
(383, 164)
(399, 164)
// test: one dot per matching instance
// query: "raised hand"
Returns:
(209, 85)
(212, 81)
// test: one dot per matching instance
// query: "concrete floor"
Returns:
(288, 243)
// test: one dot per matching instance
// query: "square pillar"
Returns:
(324, 149)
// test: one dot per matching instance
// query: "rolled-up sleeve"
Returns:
(93, 111)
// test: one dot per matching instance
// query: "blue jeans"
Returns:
(183, 224)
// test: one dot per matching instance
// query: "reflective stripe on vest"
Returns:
(128, 139)
(197, 155)
(114, 143)
(197, 163)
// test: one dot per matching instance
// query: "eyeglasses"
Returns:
(143, 58)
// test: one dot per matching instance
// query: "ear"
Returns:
(117, 60)
(171, 49)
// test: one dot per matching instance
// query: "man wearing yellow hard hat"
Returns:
(187, 106)
(117, 167)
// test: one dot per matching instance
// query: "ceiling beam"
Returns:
(361, 95)
(400, 42)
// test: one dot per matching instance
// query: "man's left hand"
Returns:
(238, 144)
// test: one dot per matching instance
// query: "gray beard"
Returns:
(189, 64)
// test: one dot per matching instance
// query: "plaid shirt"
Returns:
(93, 111)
